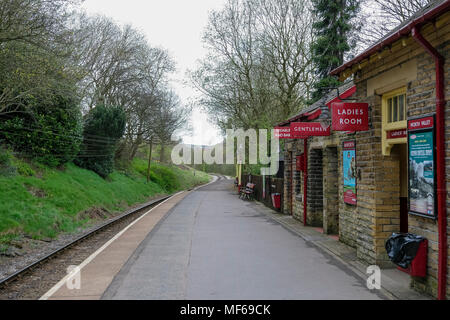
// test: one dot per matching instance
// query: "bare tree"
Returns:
(379, 17)
(33, 51)
(169, 118)
(110, 59)
(286, 36)
(33, 21)
(258, 70)
(145, 97)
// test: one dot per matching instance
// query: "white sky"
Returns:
(176, 25)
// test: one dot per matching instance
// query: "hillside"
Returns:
(41, 203)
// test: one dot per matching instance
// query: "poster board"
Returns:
(422, 167)
(349, 172)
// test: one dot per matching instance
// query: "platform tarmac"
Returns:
(207, 244)
(98, 271)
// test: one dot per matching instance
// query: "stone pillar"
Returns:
(315, 188)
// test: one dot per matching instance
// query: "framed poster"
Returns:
(349, 170)
(422, 167)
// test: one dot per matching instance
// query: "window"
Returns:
(396, 108)
(395, 116)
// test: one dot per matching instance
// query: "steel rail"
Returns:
(30, 267)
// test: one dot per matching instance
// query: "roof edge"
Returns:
(314, 107)
(406, 30)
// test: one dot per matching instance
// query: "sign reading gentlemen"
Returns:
(303, 130)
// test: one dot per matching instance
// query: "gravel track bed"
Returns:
(35, 283)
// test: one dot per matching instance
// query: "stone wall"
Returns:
(367, 226)
(421, 100)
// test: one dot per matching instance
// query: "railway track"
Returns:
(36, 278)
(117, 221)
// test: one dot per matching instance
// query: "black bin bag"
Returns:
(402, 248)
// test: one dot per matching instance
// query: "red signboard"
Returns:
(396, 134)
(303, 130)
(350, 116)
(424, 123)
(283, 133)
(349, 145)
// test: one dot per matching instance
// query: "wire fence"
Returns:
(264, 195)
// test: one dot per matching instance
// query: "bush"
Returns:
(161, 175)
(7, 169)
(23, 168)
(165, 178)
(103, 127)
(50, 132)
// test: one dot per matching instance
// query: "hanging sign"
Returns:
(303, 130)
(350, 116)
(283, 132)
(349, 170)
(396, 134)
(422, 167)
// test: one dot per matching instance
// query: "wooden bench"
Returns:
(248, 192)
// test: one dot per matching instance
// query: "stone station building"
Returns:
(403, 76)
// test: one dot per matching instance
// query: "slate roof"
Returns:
(322, 103)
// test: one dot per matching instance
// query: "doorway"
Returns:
(331, 191)
(400, 151)
(403, 153)
(315, 188)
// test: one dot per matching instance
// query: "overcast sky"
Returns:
(176, 25)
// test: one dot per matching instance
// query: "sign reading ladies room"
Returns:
(350, 116)
(422, 167)
(349, 168)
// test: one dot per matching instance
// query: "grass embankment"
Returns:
(41, 203)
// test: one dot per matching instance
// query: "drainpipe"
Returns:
(305, 181)
(292, 183)
(440, 144)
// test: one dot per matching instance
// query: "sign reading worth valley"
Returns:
(283, 132)
(349, 170)
(422, 167)
(419, 124)
(302, 130)
(350, 116)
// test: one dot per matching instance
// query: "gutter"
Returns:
(440, 146)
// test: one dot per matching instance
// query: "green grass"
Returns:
(46, 203)
(171, 177)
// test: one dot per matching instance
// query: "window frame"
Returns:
(394, 125)
(388, 117)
